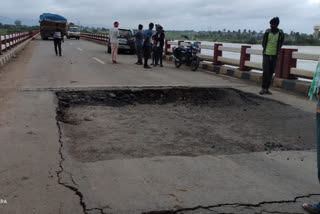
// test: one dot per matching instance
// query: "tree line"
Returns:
(240, 36)
(16, 27)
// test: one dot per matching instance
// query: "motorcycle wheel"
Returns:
(177, 63)
(195, 64)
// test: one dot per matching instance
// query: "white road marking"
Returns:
(98, 60)
(79, 49)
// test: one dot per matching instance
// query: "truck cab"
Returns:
(73, 32)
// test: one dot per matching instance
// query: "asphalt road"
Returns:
(37, 174)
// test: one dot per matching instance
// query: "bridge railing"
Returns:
(94, 36)
(9, 41)
(286, 62)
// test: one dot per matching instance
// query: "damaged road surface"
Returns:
(185, 150)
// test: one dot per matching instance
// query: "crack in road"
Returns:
(231, 204)
(75, 188)
(277, 212)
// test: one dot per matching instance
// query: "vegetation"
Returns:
(239, 36)
(245, 36)
(101, 30)
(17, 27)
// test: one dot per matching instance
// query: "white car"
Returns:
(73, 32)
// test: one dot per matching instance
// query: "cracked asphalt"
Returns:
(38, 174)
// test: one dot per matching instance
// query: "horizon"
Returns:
(178, 30)
(198, 15)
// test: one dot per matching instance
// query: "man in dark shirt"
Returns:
(139, 44)
(159, 43)
(272, 42)
(147, 45)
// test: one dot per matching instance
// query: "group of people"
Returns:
(147, 44)
(150, 45)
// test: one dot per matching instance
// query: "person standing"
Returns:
(114, 35)
(314, 93)
(159, 38)
(139, 44)
(272, 42)
(147, 45)
(57, 39)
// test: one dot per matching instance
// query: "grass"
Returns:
(3, 31)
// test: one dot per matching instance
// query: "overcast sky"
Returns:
(296, 15)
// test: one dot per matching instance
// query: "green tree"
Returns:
(17, 23)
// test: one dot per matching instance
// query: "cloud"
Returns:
(297, 15)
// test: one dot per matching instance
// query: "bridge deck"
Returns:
(37, 169)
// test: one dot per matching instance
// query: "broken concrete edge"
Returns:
(4, 59)
(297, 86)
(123, 87)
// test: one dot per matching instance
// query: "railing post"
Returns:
(179, 42)
(279, 65)
(10, 37)
(13, 45)
(244, 57)
(166, 47)
(9, 41)
(5, 42)
(199, 43)
(216, 54)
(288, 63)
(0, 44)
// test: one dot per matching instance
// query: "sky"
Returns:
(207, 15)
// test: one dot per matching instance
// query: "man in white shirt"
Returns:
(57, 38)
(114, 34)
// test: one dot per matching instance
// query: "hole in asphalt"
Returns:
(135, 123)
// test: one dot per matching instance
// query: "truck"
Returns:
(73, 32)
(49, 23)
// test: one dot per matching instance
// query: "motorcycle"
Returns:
(187, 55)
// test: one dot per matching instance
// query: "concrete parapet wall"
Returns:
(297, 86)
(7, 56)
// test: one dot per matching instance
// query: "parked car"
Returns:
(73, 32)
(126, 41)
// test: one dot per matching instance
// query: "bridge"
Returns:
(82, 135)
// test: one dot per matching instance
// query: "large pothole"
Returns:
(136, 123)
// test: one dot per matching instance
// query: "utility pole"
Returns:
(316, 31)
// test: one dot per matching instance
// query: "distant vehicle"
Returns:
(73, 32)
(126, 41)
(48, 25)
